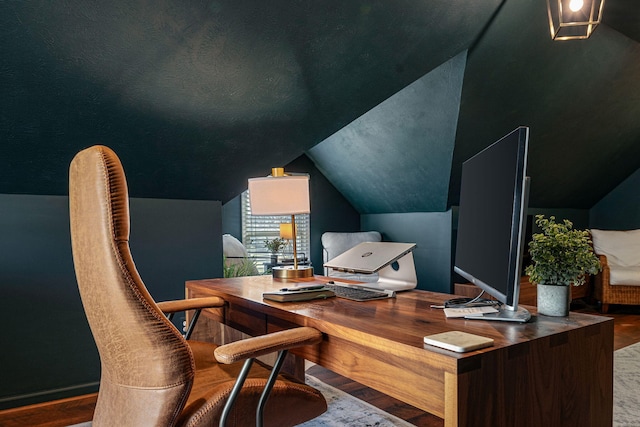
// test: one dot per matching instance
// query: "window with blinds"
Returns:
(256, 229)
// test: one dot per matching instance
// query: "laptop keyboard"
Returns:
(356, 294)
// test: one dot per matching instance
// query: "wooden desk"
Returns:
(549, 372)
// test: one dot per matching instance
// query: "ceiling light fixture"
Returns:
(573, 19)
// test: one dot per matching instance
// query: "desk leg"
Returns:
(294, 367)
(450, 400)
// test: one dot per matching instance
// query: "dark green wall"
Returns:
(431, 231)
(579, 217)
(330, 211)
(46, 343)
(620, 209)
(47, 348)
(397, 156)
(232, 217)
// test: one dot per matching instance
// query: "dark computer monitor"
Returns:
(492, 221)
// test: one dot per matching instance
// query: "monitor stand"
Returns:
(521, 315)
(398, 275)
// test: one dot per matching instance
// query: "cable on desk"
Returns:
(477, 301)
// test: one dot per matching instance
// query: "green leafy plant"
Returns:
(275, 245)
(560, 255)
(244, 267)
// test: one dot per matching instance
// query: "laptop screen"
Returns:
(369, 257)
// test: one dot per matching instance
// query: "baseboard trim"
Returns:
(56, 413)
(54, 394)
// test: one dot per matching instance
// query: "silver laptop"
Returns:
(391, 260)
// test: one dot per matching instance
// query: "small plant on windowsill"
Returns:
(274, 246)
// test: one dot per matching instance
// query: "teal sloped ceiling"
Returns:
(623, 16)
(397, 156)
(581, 100)
(197, 96)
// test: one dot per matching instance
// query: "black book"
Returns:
(299, 295)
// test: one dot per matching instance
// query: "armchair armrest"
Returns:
(605, 273)
(265, 344)
(190, 304)
(601, 287)
(325, 258)
(603, 260)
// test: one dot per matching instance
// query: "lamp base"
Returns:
(288, 272)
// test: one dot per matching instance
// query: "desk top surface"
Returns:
(405, 319)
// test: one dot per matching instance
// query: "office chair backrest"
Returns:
(147, 367)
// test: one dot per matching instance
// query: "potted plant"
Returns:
(561, 256)
(274, 246)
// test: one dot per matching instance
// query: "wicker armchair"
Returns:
(619, 252)
(606, 293)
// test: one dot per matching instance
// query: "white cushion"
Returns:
(622, 248)
(232, 247)
(629, 276)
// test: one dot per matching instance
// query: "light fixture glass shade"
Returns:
(566, 23)
(284, 195)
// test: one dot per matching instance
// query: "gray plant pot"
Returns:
(553, 300)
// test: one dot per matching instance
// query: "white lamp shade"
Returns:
(284, 195)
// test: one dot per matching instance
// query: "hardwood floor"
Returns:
(60, 413)
(626, 318)
(626, 332)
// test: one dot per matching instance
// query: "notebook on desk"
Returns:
(458, 341)
(392, 261)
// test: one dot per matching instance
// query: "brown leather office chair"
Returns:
(151, 375)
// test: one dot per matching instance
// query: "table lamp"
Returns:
(286, 231)
(282, 194)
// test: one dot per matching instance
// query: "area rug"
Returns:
(346, 410)
(626, 386)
